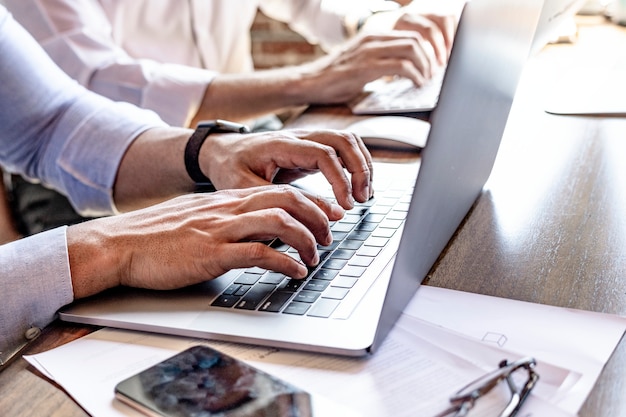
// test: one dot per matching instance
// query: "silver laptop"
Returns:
(383, 249)
(399, 95)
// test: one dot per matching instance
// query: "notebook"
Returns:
(395, 238)
(398, 95)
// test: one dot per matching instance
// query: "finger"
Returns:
(358, 161)
(288, 209)
(249, 254)
(273, 223)
(405, 47)
(447, 24)
(333, 211)
(343, 149)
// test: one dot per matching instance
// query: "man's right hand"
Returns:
(197, 237)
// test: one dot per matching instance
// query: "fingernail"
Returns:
(338, 211)
(302, 270)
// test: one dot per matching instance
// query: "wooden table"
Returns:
(549, 228)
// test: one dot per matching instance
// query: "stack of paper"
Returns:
(444, 340)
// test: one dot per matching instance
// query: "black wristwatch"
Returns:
(203, 130)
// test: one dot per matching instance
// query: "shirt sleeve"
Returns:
(35, 283)
(55, 131)
(78, 35)
(318, 21)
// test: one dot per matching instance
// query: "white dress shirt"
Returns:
(148, 52)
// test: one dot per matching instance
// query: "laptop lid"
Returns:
(492, 43)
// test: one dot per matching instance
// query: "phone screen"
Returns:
(203, 382)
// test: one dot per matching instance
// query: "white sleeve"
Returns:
(319, 21)
(78, 36)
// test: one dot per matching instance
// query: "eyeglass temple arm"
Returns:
(518, 398)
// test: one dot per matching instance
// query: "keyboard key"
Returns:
(338, 235)
(307, 296)
(391, 224)
(316, 285)
(359, 235)
(361, 260)
(375, 218)
(388, 200)
(247, 278)
(326, 274)
(253, 298)
(397, 215)
(377, 210)
(403, 206)
(335, 293)
(332, 246)
(297, 308)
(323, 308)
(344, 282)
(352, 271)
(351, 244)
(225, 301)
(292, 285)
(343, 254)
(350, 218)
(242, 290)
(323, 254)
(382, 232)
(335, 263)
(366, 227)
(231, 289)
(272, 278)
(342, 227)
(378, 242)
(275, 302)
(370, 251)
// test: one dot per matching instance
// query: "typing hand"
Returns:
(197, 237)
(238, 161)
(340, 76)
(438, 30)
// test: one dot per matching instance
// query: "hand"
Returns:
(197, 237)
(238, 161)
(437, 30)
(340, 76)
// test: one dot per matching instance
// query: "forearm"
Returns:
(242, 97)
(153, 169)
(8, 231)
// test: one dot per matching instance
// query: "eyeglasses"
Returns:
(464, 400)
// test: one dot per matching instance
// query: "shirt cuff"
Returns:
(35, 283)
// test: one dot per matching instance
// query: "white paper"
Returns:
(409, 376)
(579, 340)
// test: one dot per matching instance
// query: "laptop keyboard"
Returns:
(358, 240)
(399, 95)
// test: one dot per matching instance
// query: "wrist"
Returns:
(195, 144)
(93, 266)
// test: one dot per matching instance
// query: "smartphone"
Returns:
(203, 382)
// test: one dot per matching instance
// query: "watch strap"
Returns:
(192, 153)
(195, 142)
